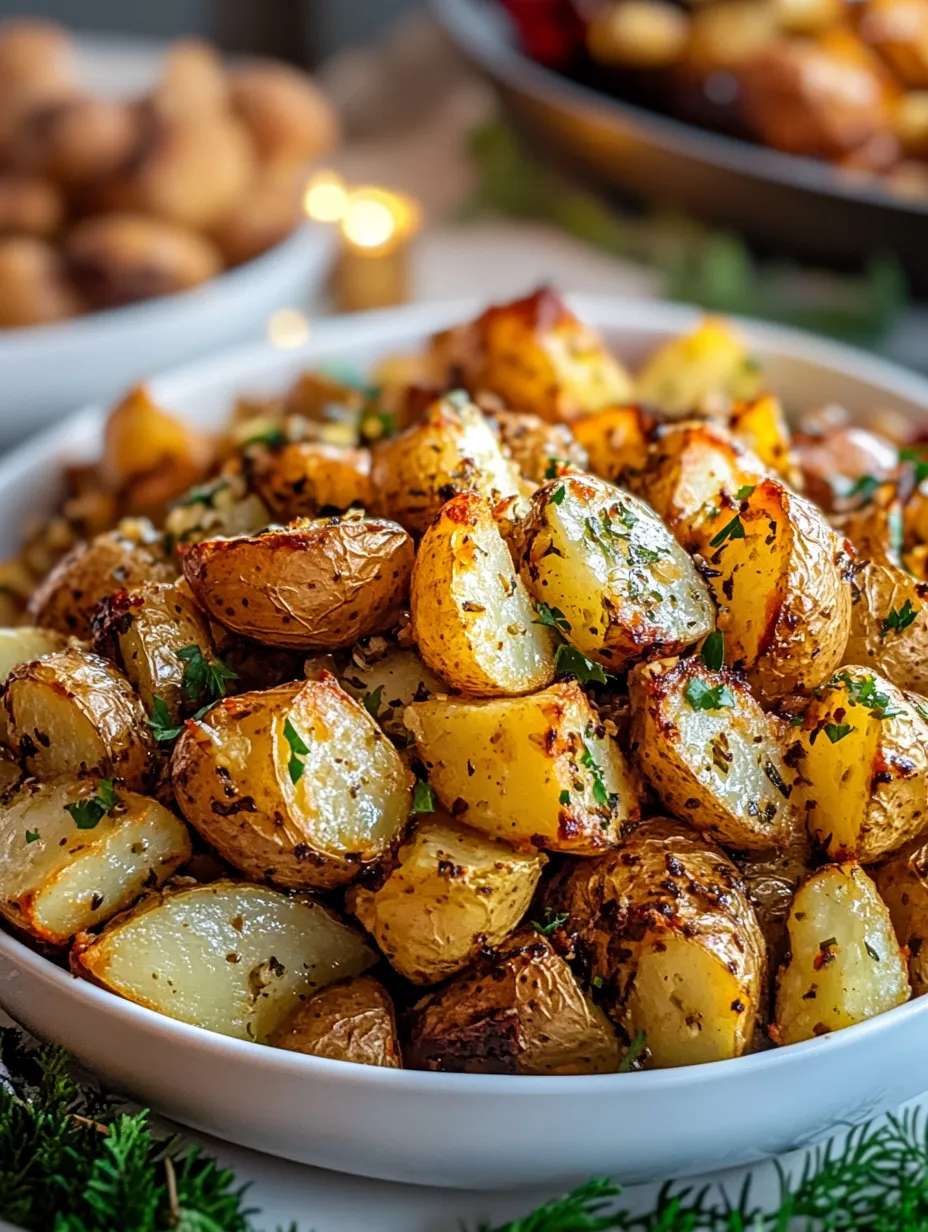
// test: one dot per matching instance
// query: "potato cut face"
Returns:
(780, 575)
(316, 585)
(845, 964)
(388, 683)
(538, 772)
(230, 957)
(452, 893)
(615, 439)
(760, 425)
(473, 620)
(57, 879)
(352, 1020)
(623, 585)
(25, 644)
(297, 784)
(902, 884)
(451, 449)
(861, 760)
(72, 712)
(711, 361)
(710, 752)
(535, 445)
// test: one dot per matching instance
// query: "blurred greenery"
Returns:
(714, 269)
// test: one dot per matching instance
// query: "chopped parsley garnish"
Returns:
(552, 922)
(204, 494)
(298, 750)
(731, 530)
(32, 836)
(372, 701)
(557, 495)
(744, 492)
(865, 693)
(899, 618)
(701, 697)
(864, 486)
(921, 463)
(270, 436)
(163, 727)
(423, 798)
(564, 797)
(568, 661)
(600, 795)
(552, 470)
(837, 731)
(597, 981)
(89, 813)
(553, 617)
(871, 951)
(633, 1052)
(640, 555)
(712, 652)
(204, 679)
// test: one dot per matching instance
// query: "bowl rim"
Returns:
(472, 25)
(383, 326)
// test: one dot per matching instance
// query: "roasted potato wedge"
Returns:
(618, 584)
(710, 752)
(315, 585)
(536, 446)
(72, 712)
(616, 441)
(60, 874)
(536, 356)
(889, 627)
(306, 478)
(113, 561)
(388, 682)
(451, 893)
(760, 425)
(844, 962)
(537, 772)
(708, 363)
(664, 928)
(229, 956)
(902, 884)
(451, 449)
(518, 1011)
(23, 644)
(781, 576)
(296, 784)
(142, 631)
(860, 753)
(472, 618)
(351, 1020)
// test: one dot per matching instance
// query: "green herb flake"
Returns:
(600, 795)
(372, 701)
(597, 981)
(32, 836)
(899, 618)
(423, 798)
(564, 797)
(553, 617)
(864, 487)
(568, 661)
(871, 951)
(162, 725)
(743, 493)
(837, 731)
(731, 530)
(88, 814)
(633, 1052)
(271, 437)
(712, 651)
(298, 750)
(557, 495)
(552, 922)
(553, 469)
(701, 697)
(204, 679)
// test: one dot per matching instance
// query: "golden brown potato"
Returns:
(760, 425)
(772, 878)
(898, 30)
(902, 883)
(682, 375)
(665, 930)
(301, 479)
(536, 356)
(351, 1020)
(143, 630)
(76, 140)
(472, 618)
(34, 50)
(539, 449)
(120, 258)
(296, 784)
(229, 956)
(315, 585)
(619, 586)
(844, 963)
(68, 865)
(616, 440)
(72, 712)
(25, 643)
(450, 894)
(451, 449)
(889, 628)
(193, 82)
(781, 577)
(808, 16)
(638, 34)
(860, 754)
(518, 1011)
(34, 287)
(725, 36)
(221, 506)
(387, 679)
(120, 559)
(289, 119)
(710, 752)
(537, 772)
(263, 216)
(29, 206)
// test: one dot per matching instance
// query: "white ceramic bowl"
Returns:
(473, 1131)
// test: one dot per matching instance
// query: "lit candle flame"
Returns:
(325, 197)
(287, 328)
(375, 221)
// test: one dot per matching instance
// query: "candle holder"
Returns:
(376, 230)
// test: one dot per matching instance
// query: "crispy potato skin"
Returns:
(66, 599)
(783, 586)
(300, 479)
(861, 767)
(141, 632)
(902, 884)
(472, 617)
(313, 586)
(517, 1012)
(772, 878)
(233, 776)
(536, 445)
(625, 588)
(351, 1020)
(451, 893)
(64, 879)
(451, 449)
(536, 772)
(900, 654)
(844, 963)
(665, 924)
(72, 712)
(389, 681)
(720, 771)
